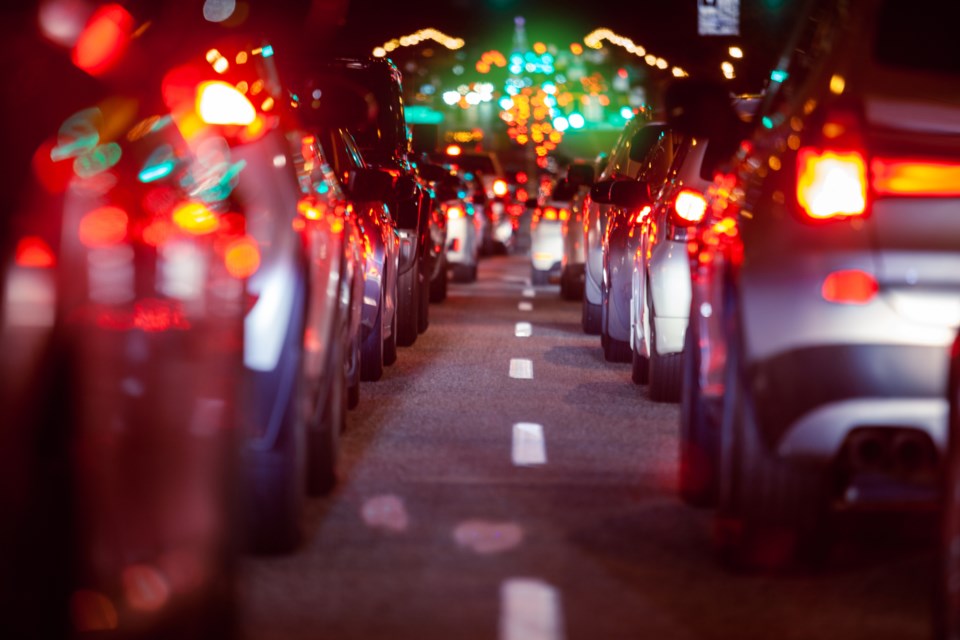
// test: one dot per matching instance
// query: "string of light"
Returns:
(416, 38)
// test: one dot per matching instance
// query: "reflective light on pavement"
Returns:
(530, 609)
(521, 369)
(523, 330)
(529, 293)
(525, 306)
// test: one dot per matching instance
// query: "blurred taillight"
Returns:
(221, 103)
(898, 177)
(831, 184)
(849, 287)
(549, 213)
(642, 214)
(454, 212)
(564, 214)
(32, 251)
(195, 218)
(103, 227)
(103, 40)
(311, 210)
(689, 207)
(242, 257)
(499, 188)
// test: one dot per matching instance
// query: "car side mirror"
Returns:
(600, 192)
(630, 194)
(405, 188)
(370, 184)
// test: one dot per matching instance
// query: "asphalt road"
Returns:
(476, 504)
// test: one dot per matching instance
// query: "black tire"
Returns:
(423, 320)
(473, 273)
(946, 621)
(770, 511)
(390, 344)
(590, 317)
(639, 367)
(617, 350)
(438, 286)
(666, 370)
(565, 283)
(408, 306)
(325, 426)
(353, 381)
(277, 489)
(699, 435)
(538, 277)
(372, 347)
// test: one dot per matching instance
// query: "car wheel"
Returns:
(390, 344)
(639, 367)
(665, 369)
(538, 277)
(408, 307)
(461, 273)
(277, 490)
(353, 379)
(947, 601)
(324, 427)
(699, 437)
(590, 317)
(565, 284)
(438, 286)
(770, 511)
(372, 350)
(423, 320)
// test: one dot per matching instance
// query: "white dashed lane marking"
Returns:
(523, 330)
(525, 306)
(529, 447)
(529, 293)
(521, 369)
(530, 609)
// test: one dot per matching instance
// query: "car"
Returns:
(596, 217)
(660, 291)
(455, 197)
(824, 291)
(946, 622)
(364, 96)
(368, 194)
(492, 205)
(572, 264)
(550, 213)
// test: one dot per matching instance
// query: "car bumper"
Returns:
(546, 246)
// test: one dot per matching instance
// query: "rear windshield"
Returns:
(919, 35)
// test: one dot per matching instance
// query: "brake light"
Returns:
(103, 227)
(454, 212)
(103, 40)
(915, 177)
(32, 251)
(221, 103)
(242, 258)
(831, 184)
(453, 150)
(564, 214)
(689, 207)
(499, 188)
(549, 213)
(849, 287)
(195, 218)
(311, 210)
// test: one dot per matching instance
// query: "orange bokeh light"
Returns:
(103, 227)
(103, 40)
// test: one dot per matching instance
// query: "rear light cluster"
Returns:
(500, 188)
(454, 212)
(552, 213)
(836, 179)
(689, 207)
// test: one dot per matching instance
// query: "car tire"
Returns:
(390, 344)
(438, 285)
(770, 511)
(463, 273)
(616, 350)
(353, 380)
(699, 435)
(372, 356)
(590, 317)
(538, 277)
(639, 367)
(277, 491)
(324, 427)
(408, 307)
(666, 370)
(423, 320)
(946, 621)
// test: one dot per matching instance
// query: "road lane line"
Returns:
(521, 369)
(523, 330)
(529, 293)
(530, 609)
(525, 306)
(529, 447)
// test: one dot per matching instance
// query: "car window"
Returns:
(656, 164)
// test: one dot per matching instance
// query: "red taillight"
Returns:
(564, 214)
(311, 210)
(849, 287)
(831, 184)
(454, 212)
(689, 207)
(499, 188)
(32, 251)
(103, 227)
(549, 213)
(103, 40)
(897, 177)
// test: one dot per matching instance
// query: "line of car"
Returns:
(783, 266)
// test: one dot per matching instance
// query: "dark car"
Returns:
(364, 96)
(826, 289)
